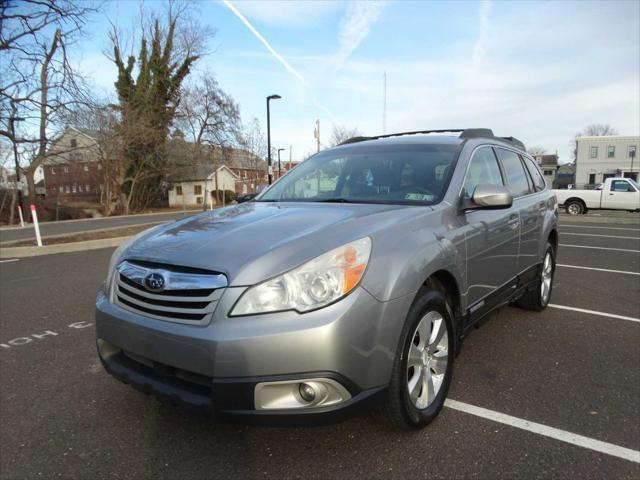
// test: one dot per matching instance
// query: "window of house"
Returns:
(594, 152)
(65, 169)
(87, 188)
(80, 188)
(86, 168)
(74, 143)
(548, 172)
(99, 166)
(514, 170)
(61, 189)
(53, 170)
(73, 189)
(197, 189)
(632, 151)
(592, 178)
(611, 151)
(482, 169)
(67, 189)
(179, 190)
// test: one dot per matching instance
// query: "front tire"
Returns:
(537, 298)
(424, 363)
(575, 207)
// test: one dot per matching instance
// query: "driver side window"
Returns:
(483, 169)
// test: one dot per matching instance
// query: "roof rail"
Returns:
(464, 133)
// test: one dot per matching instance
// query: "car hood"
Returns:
(254, 241)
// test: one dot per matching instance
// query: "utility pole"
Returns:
(279, 166)
(384, 104)
(316, 134)
(269, 168)
(632, 154)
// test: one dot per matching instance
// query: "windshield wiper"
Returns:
(335, 200)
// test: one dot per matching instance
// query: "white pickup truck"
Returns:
(614, 194)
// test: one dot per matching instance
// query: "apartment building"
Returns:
(599, 158)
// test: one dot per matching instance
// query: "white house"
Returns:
(195, 185)
(599, 158)
(549, 166)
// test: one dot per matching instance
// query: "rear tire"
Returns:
(537, 297)
(575, 207)
(424, 363)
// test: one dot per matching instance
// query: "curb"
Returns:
(136, 215)
(22, 252)
(8, 243)
(596, 219)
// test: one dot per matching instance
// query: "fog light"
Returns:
(307, 392)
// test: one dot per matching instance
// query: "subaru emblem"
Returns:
(154, 282)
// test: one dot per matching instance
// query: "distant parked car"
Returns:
(350, 281)
(614, 194)
(246, 197)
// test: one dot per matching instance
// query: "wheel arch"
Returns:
(446, 282)
(575, 199)
(553, 239)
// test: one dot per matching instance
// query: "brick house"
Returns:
(72, 169)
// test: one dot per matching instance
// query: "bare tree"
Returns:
(341, 133)
(254, 141)
(534, 150)
(593, 130)
(207, 114)
(38, 82)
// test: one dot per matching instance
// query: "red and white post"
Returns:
(21, 217)
(36, 227)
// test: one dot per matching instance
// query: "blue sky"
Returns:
(539, 71)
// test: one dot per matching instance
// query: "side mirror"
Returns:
(487, 196)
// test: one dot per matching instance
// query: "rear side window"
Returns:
(482, 169)
(517, 179)
(538, 179)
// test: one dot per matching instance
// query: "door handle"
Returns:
(514, 220)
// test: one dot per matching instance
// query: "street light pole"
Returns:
(279, 167)
(269, 171)
(12, 120)
(632, 154)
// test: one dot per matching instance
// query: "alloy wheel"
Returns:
(427, 359)
(547, 274)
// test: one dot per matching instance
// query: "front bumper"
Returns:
(216, 367)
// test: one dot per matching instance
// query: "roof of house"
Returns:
(194, 173)
(547, 160)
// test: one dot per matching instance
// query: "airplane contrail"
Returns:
(264, 41)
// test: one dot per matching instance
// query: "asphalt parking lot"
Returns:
(576, 371)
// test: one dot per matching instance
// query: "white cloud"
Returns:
(480, 47)
(355, 27)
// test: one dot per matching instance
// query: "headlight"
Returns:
(313, 285)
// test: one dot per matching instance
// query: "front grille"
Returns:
(184, 297)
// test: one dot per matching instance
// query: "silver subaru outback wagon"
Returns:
(350, 281)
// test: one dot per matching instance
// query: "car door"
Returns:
(620, 195)
(491, 236)
(530, 204)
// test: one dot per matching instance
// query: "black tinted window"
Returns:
(482, 169)
(538, 179)
(514, 170)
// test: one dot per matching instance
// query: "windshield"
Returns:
(402, 174)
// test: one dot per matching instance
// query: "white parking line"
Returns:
(540, 429)
(600, 248)
(10, 260)
(564, 225)
(594, 312)
(597, 269)
(596, 235)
